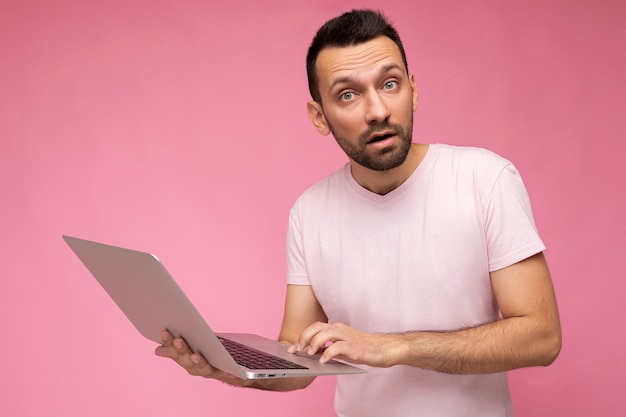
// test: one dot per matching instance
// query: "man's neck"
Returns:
(383, 182)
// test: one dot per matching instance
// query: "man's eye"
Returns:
(390, 85)
(347, 96)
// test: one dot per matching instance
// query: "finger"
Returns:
(166, 350)
(336, 351)
(198, 361)
(306, 337)
(162, 352)
(176, 349)
(328, 334)
(175, 345)
(181, 347)
(193, 363)
(166, 337)
(320, 341)
(168, 341)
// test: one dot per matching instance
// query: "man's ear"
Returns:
(415, 95)
(316, 116)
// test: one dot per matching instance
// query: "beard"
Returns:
(383, 159)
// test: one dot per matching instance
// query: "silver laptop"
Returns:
(150, 298)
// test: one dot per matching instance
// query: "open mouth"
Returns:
(380, 138)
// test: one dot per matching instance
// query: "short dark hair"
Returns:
(351, 28)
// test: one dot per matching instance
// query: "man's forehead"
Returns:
(378, 54)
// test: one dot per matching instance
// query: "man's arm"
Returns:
(529, 333)
(301, 310)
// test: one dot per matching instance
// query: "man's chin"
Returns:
(384, 162)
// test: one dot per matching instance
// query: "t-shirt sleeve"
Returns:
(510, 227)
(296, 264)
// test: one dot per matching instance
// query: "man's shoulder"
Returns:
(470, 154)
(325, 187)
(470, 161)
(468, 167)
(328, 183)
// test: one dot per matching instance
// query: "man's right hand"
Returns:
(194, 363)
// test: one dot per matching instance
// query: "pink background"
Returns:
(179, 127)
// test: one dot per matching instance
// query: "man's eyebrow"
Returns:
(341, 80)
(348, 78)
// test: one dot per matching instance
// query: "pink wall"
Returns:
(179, 127)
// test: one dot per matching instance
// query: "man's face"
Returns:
(368, 100)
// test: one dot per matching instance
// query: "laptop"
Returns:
(150, 298)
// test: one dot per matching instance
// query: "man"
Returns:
(402, 260)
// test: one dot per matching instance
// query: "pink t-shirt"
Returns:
(417, 258)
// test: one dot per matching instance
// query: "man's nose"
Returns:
(377, 108)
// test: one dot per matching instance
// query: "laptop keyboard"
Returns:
(254, 359)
